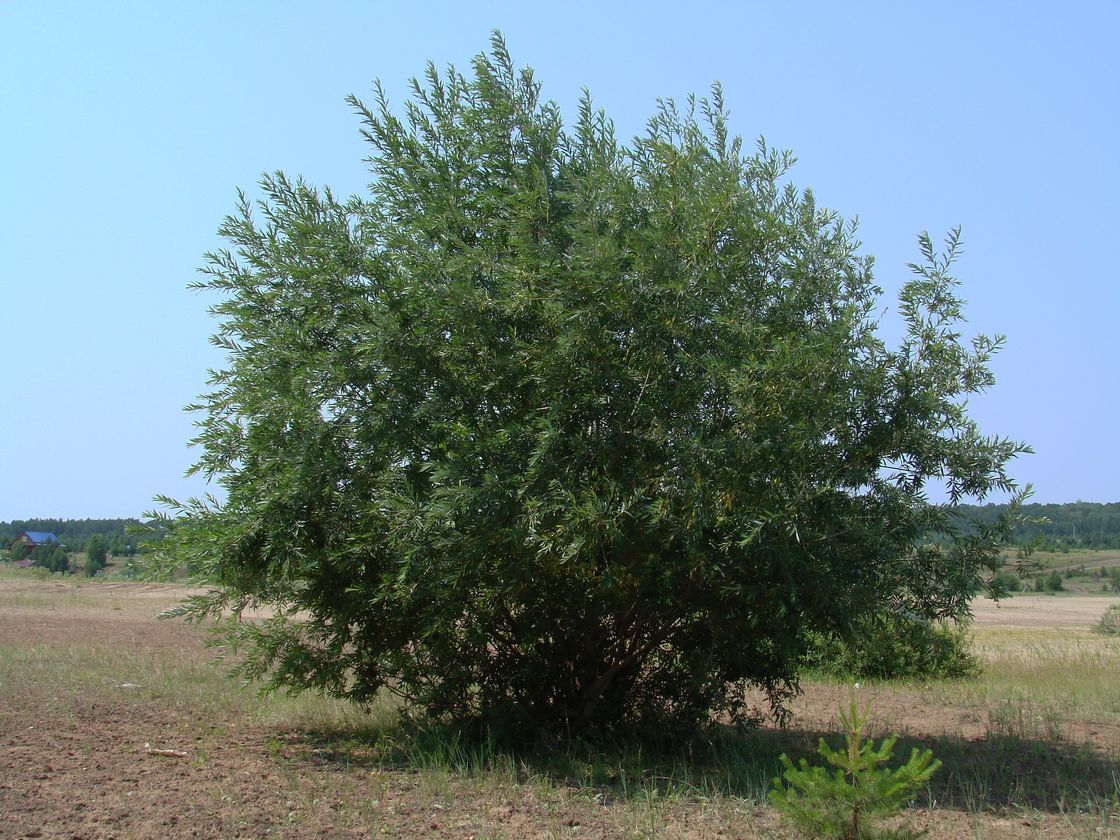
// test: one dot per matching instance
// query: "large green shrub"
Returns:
(562, 433)
(1007, 581)
(1113, 578)
(96, 555)
(890, 645)
(50, 556)
(1049, 583)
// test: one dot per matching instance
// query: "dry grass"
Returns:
(1031, 748)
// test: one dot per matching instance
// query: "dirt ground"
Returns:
(1040, 611)
(79, 763)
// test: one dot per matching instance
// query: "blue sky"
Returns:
(127, 128)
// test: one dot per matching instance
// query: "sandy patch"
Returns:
(1041, 610)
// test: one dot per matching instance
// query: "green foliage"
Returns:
(1049, 583)
(1109, 623)
(1112, 578)
(96, 554)
(551, 432)
(1007, 580)
(50, 556)
(890, 645)
(845, 802)
(1054, 527)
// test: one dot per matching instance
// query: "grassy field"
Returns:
(91, 685)
(1082, 571)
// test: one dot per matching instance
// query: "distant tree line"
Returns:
(1108, 578)
(75, 534)
(1074, 525)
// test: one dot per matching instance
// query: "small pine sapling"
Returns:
(844, 803)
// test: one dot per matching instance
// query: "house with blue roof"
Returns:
(32, 540)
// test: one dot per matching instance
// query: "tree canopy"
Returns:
(1059, 526)
(562, 433)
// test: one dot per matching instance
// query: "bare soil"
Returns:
(78, 764)
(1025, 610)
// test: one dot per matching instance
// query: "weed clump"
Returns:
(1109, 623)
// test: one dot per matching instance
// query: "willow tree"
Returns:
(563, 432)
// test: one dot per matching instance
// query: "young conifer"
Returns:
(844, 802)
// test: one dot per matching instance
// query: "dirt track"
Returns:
(1041, 610)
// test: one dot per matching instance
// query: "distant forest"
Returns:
(75, 533)
(1074, 525)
